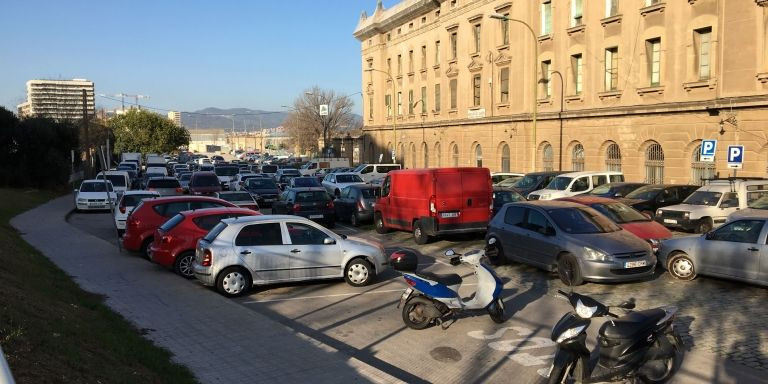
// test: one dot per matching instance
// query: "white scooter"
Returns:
(435, 298)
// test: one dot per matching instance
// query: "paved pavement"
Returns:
(364, 326)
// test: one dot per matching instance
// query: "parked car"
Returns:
(241, 199)
(650, 198)
(165, 186)
(283, 181)
(238, 253)
(263, 189)
(226, 173)
(356, 203)
(304, 182)
(204, 183)
(575, 183)
(150, 214)
(184, 180)
(503, 195)
(156, 168)
(291, 172)
(238, 182)
(627, 217)
(434, 202)
(312, 203)
(534, 181)
(335, 182)
(176, 240)
(148, 176)
(612, 190)
(269, 169)
(121, 180)
(125, 205)
(497, 177)
(737, 251)
(94, 195)
(755, 207)
(372, 171)
(576, 241)
(179, 168)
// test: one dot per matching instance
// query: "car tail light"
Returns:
(360, 206)
(296, 207)
(179, 190)
(207, 258)
(166, 239)
(432, 208)
(132, 221)
(329, 204)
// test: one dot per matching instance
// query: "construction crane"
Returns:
(122, 97)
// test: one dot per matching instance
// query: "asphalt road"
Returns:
(717, 317)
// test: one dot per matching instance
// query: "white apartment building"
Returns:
(58, 99)
(175, 116)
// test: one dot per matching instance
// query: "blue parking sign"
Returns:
(735, 156)
(708, 148)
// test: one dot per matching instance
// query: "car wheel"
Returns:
(354, 220)
(359, 272)
(233, 281)
(419, 236)
(568, 270)
(184, 263)
(705, 225)
(378, 221)
(681, 267)
(145, 246)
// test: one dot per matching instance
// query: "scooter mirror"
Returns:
(629, 304)
(450, 253)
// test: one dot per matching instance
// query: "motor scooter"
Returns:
(433, 298)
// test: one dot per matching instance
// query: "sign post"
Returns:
(708, 148)
(735, 157)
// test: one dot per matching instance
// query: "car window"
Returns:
(171, 209)
(582, 221)
(205, 181)
(503, 197)
(514, 216)
(599, 180)
(703, 198)
(305, 234)
(672, 194)
(208, 222)
(535, 221)
(132, 200)
(600, 190)
(580, 184)
(95, 187)
(172, 222)
(259, 234)
(731, 200)
(306, 196)
(210, 236)
(367, 169)
(619, 212)
(385, 187)
(204, 205)
(742, 231)
(369, 193)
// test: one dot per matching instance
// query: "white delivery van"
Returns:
(121, 181)
(575, 183)
(369, 172)
(710, 205)
(313, 165)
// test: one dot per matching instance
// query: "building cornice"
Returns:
(384, 20)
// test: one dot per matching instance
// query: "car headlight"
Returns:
(686, 215)
(570, 333)
(583, 311)
(545, 196)
(595, 255)
(82, 200)
(659, 212)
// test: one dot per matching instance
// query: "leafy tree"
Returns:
(146, 132)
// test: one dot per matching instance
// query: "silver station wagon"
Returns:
(241, 252)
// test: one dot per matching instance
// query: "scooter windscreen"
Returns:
(585, 306)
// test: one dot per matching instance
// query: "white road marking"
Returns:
(347, 228)
(323, 296)
(527, 342)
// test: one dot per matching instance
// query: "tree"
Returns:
(306, 126)
(147, 132)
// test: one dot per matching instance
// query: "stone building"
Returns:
(639, 82)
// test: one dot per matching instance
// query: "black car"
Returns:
(304, 182)
(263, 189)
(612, 190)
(534, 181)
(355, 203)
(313, 203)
(503, 195)
(649, 198)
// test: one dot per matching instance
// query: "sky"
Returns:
(185, 55)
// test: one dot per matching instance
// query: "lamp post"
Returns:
(535, 83)
(394, 120)
(559, 114)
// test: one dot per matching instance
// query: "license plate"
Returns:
(96, 206)
(315, 216)
(670, 221)
(449, 214)
(405, 296)
(635, 264)
(269, 200)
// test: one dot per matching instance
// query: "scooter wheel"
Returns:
(496, 310)
(414, 315)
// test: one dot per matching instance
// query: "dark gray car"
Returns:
(577, 241)
(165, 186)
(356, 203)
(263, 189)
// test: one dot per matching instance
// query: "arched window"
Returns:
(438, 155)
(400, 155)
(700, 170)
(505, 158)
(371, 153)
(425, 151)
(613, 158)
(413, 156)
(478, 156)
(455, 155)
(547, 158)
(654, 164)
(577, 158)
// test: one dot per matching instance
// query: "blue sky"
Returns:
(186, 55)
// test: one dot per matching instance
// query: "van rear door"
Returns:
(448, 195)
(476, 197)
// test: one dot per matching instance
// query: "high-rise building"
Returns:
(621, 85)
(175, 116)
(58, 99)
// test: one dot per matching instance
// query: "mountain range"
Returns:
(244, 119)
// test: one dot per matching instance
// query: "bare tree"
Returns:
(306, 125)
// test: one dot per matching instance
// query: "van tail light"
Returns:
(329, 204)
(432, 207)
(296, 207)
(207, 258)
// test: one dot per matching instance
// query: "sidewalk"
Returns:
(219, 340)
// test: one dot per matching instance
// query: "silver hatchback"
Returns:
(241, 252)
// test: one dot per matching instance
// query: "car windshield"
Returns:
(509, 181)
(236, 196)
(503, 197)
(305, 182)
(206, 181)
(601, 190)
(132, 200)
(117, 180)
(312, 196)
(370, 193)
(703, 198)
(227, 171)
(560, 183)
(261, 183)
(185, 177)
(151, 175)
(528, 181)
(582, 221)
(761, 203)
(348, 179)
(95, 187)
(163, 183)
(620, 213)
(645, 193)
(269, 169)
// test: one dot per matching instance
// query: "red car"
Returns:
(626, 217)
(150, 214)
(176, 240)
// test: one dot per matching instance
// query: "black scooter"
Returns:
(641, 345)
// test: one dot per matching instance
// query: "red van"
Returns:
(435, 201)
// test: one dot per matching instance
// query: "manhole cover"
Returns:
(445, 354)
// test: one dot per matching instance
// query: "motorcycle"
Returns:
(640, 345)
(434, 298)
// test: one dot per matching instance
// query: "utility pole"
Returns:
(87, 135)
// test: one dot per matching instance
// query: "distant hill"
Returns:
(245, 119)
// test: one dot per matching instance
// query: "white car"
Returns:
(94, 195)
(127, 203)
(335, 182)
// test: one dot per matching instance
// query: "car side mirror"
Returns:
(329, 241)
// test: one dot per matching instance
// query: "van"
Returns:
(369, 172)
(121, 181)
(575, 183)
(710, 205)
(313, 165)
(434, 201)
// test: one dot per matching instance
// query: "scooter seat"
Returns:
(630, 325)
(447, 279)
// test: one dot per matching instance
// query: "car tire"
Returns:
(359, 272)
(568, 270)
(681, 267)
(499, 258)
(419, 236)
(378, 222)
(233, 281)
(704, 225)
(145, 247)
(183, 266)
(354, 220)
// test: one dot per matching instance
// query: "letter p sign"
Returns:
(735, 156)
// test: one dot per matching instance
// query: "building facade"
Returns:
(175, 116)
(629, 85)
(58, 99)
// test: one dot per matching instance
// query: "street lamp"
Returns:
(559, 114)
(535, 84)
(394, 120)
